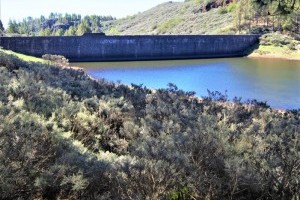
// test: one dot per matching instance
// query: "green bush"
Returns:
(168, 25)
(277, 40)
(222, 10)
(232, 7)
(288, 24)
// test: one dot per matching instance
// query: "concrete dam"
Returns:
(97, 47)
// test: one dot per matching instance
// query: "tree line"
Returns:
(258, 16)
(58, 25)
(261, 16)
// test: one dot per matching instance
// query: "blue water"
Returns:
(275, 81)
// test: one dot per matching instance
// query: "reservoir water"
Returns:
(272, 80)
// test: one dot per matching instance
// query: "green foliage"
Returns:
(113, 31)
(59, 32)
(180, 194)
(228, 9)
(222, 10)
(1, 26)
(276, 39)
(168, 25)
(45, 32)
(281, 7)
(12, 27)
(64, 135)
(21, 56)
(58, 25)
(232, 7)
(83, 28)
(288, 24)
(263, 16)
(71, 31)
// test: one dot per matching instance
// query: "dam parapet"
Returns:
(98, 47)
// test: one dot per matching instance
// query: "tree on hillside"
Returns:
(83, 28)
(12, 27)
(1, 26)
(243, 15)
(261, 16)
(282, 7)
(71, 31)
(55, 21)
(42, 18)
(45, 32)
(59, 32)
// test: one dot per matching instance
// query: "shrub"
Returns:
(288, 24)
(275, 39)
(231, 7)
(66, 136)
(292, 46)
(169, 24)
(222, 10)
(56, 59)
(259, 30)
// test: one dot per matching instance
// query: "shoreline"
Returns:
(273, 56)
(229, 102)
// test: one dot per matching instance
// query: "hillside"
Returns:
(213, 17)
(189, 17)
(280, 29)
(64, 135)
(173, 18)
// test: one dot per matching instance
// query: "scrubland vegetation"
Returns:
(64, 135)
(277, 45)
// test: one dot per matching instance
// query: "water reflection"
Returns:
(271, 80)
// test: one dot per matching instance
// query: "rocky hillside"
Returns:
(175, 18)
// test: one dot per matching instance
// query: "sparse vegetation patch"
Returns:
(169, 25)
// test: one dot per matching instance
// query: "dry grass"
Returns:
(22, 56)
(174, 18)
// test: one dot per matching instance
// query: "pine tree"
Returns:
(45, 32)
(12, 26)
(71, 31)
(59, 32)
(82, 29)
(1, 26)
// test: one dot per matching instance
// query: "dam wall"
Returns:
(97, 47)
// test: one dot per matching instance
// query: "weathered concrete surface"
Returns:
(94, 47)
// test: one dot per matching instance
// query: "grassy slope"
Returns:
(173, 18)
(272, 51)
(22, 56)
